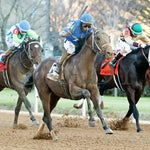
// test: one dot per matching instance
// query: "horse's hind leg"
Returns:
(49, 101)
(17, 110)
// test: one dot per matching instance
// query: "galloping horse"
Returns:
(80, 81)
(19, 64)
(131, 75)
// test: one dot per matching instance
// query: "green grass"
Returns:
(112, 105)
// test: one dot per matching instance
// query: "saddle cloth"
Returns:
(2, 66)
(108, 70)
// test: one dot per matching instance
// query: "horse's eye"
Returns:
(97, 38)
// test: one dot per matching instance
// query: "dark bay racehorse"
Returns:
(80, 82)
(21, 63)
(132, 70)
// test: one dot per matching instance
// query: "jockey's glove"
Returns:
(143, 45)
(65, 32)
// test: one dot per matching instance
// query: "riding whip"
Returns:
(82, 12)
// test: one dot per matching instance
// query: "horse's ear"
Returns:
(109, 39)
(39, 38)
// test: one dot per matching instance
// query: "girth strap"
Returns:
(117, 82)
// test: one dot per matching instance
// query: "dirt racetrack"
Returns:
(73, 134)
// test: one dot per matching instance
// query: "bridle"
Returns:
(147, 59)
(92, 47)
(28, 53)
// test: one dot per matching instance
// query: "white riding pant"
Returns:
(125, 47)
(10, 43)
(70, 47)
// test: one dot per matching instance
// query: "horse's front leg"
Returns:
(95, 100)
(136, 116)
(17, 110)
(133, 98)
(83, 93)
(27, 104)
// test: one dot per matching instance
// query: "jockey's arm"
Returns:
(66, 32)
(144, 39)
(35, 36)
(129, 40)
(16, 40)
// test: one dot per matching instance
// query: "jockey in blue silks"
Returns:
(75, 30)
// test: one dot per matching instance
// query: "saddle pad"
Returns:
(108, 70)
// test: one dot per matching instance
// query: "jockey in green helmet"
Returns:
(128, 41)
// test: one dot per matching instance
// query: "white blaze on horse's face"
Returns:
(36, 46)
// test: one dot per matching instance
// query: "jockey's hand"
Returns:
(65, 32)
(143, 45)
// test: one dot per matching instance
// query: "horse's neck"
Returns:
(87, 53)
(24, 62)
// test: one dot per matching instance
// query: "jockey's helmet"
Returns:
(24, 26)
(136, 29)
(87, 19)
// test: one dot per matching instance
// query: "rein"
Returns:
(27, 52)
(147, 59)
(92, 46)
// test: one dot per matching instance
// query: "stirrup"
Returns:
(53, 76)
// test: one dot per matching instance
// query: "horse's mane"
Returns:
(139, 49)
(81, 42)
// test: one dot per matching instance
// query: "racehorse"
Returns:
(80, 81)
(131, 76)
(19, 64)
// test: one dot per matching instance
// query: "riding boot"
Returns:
(115, 60)
(63, 58)
(3, 59)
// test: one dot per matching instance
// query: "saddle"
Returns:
(108, 70)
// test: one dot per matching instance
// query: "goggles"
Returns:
(23, 32)
(86, 26)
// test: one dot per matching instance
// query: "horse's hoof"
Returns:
(108, 131)
(14, 126)
(35, 122)
(92, 123)
(139, 130)
(56, 140)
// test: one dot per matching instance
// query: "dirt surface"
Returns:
(73, 134)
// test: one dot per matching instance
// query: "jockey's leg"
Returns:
(63, 58)
(9, 51)
(115, 59)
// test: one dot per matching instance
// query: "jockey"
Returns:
(75, 31)
(16, 35)
(128, 41)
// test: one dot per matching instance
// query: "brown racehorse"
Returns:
(80, 81)
(131, 75)
(19, 64)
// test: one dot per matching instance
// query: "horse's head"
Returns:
(102, 41)
(34, 50)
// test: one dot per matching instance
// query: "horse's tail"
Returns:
(28, 85)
